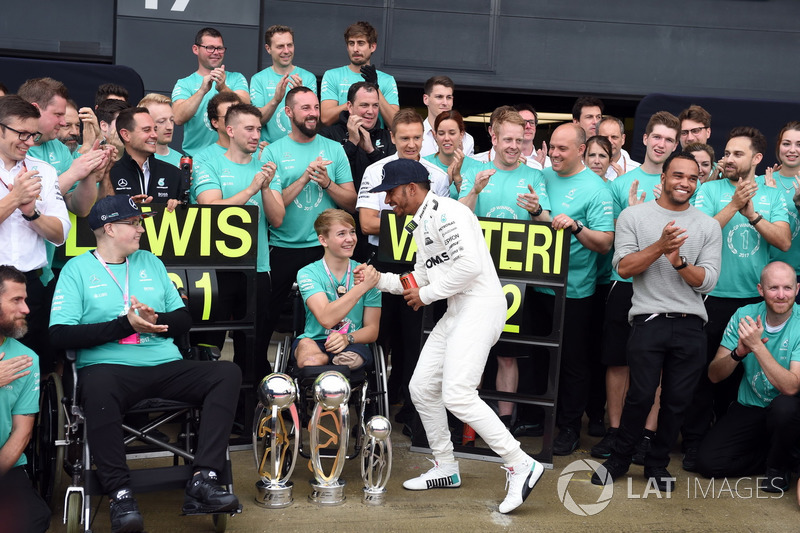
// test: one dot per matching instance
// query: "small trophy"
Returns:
(275, 445)
(329, 422)
(376, 460)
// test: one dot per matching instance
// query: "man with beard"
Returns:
(753, 217)
(70, 134)
(438, 97)
(21, 506)
(762, 426)
(191, 94)
(238, 178)
(361, 40)
(160, 108)
(268, 88)
(672, 251)
(312, 174)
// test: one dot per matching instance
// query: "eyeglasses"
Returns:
(211, 49)
(530, 123)
(24, 135)
(693, 131)
(130, 222)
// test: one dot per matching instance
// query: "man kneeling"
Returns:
(762, 426)
(122, 327)
(341, 317)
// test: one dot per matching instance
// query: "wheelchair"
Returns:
(62, 446)
(368, 397)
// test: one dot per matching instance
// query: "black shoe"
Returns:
(609, 472)
(602, 450)
(506, 420)
(125, 515)
(158, 435)
(690, 459)
(528, 429)
(662, 478)
(596, 427)
(566, 442)
(643, 447)
(776, 481)
(205, 495)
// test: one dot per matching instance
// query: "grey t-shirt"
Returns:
(660, 288)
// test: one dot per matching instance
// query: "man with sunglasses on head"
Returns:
(191, 95)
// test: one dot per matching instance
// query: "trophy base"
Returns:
(327, 494)
(273, 496)
(373, 496)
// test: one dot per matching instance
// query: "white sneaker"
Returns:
(520, 480)
(441, 476)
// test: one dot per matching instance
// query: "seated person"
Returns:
(122, 327)
(762, 426)
(341, 317)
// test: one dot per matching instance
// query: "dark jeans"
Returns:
(21, 507)
(108, 391)
(666, 350)
(748, 439)
(577, 353)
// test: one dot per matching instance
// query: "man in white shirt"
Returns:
(613, 129)
(438, 98)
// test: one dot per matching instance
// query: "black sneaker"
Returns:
(609, 472)
(596, 427)
(527, 429)
(663, 479)
(566, 442)
(643, 447)
(602, 450)
(125, 515)
(690, 459)
(205, 495)
(775, 481)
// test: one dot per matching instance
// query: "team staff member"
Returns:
(118, 307)
(451, 364)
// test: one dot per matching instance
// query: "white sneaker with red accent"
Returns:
(520, 480)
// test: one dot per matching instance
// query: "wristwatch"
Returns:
(538, 211)
(735, 356)
(351, 339)
(683, 264)
(578, 226)
(36, 214)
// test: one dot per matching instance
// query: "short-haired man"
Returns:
(660, 141)
(32, 211)
(587, 112)
(453, 358)
(191, 94)
(361, 40)
(110, 91)
(70, 134)
(580, 201)
(762, 426)
(536, 159)
(753, 217)
(138, 173)
(313, 174)
(613, 129)
(672, 251)
(236, 177)
(107, 113)
(160, 108)
(118, 308)
(438, 97)
(21, 506)
(268, 88)
(695, 125)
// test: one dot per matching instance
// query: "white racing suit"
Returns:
(453, 262)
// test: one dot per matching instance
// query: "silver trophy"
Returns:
(376, 460)
(329, 431)
(274, 444)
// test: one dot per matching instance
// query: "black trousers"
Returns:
(711, 400)
(666, 350)
(22, 510)
(748, 439)
(577, 353)
(108, 391)
(39, 301)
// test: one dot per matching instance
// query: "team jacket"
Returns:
(166, 182)
(452, 258)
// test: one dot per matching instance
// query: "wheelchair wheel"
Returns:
(74, 513)
(220, 522)
(48, 459)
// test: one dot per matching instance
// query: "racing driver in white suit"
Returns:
(453, 262)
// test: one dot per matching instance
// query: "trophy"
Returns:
(275, 445)
(330, 422)
(376, 460)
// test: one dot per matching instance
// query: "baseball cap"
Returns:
(401, 172)
(113, 208)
